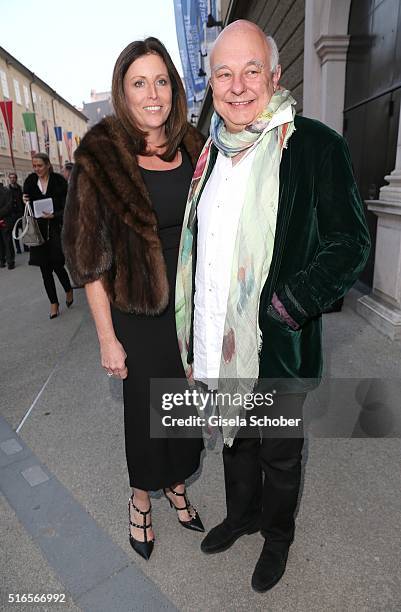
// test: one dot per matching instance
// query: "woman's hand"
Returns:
(113, 358)
(25, 198)
(112, 353)
(46, 215)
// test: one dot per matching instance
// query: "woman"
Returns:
(44, 183)
(122, 227)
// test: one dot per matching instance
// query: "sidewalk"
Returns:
(65, 490)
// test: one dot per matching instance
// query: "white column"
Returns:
(325, 57)
(332, 51)
(312, 65)
(383, 307)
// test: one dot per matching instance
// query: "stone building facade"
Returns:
(29, 93)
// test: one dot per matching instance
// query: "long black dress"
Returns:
(152, 349)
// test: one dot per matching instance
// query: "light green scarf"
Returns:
(239, 366)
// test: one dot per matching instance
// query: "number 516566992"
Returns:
(36, 598)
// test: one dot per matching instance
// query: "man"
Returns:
(273, 234)
(68, 166)
(7, 253)
(18, 205)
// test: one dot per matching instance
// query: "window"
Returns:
(17, 92)
(25, 141)
(26, 96)
(42, 106)
(4, 84)
(34, 98)
(3, 141)
(14, 142)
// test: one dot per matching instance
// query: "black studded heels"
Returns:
(195, 522)
(144, 549)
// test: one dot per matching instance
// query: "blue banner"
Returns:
(190, 19)
(59, 133)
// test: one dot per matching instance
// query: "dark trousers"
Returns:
(262, 479)
(48, 280)
(7, 253)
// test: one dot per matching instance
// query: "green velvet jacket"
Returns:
(321, 246)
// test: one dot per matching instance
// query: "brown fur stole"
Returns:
(110, 230)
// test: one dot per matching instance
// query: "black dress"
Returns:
(152, 349)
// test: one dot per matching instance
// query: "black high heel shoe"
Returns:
(195, 522)
(69, 303)
(144, 549)
(56, 314)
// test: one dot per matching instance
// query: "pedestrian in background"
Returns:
(18, 204)
(7, 253)
(68, 166)
(44, 183)
(121, 236)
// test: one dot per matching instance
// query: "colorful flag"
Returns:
(31, 130)
(7, 110)
(46, 135)
(58, 130)
(68, 143)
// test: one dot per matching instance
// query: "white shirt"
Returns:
(219, 211)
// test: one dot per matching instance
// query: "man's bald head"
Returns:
(241, 28)
(244, 73)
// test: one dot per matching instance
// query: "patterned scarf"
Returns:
(269, 133)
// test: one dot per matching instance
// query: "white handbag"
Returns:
(29, 233)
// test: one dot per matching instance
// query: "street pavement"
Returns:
(64, 486)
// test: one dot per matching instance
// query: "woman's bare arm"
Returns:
(112, 353)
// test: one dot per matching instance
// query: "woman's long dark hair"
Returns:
(176, 123)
